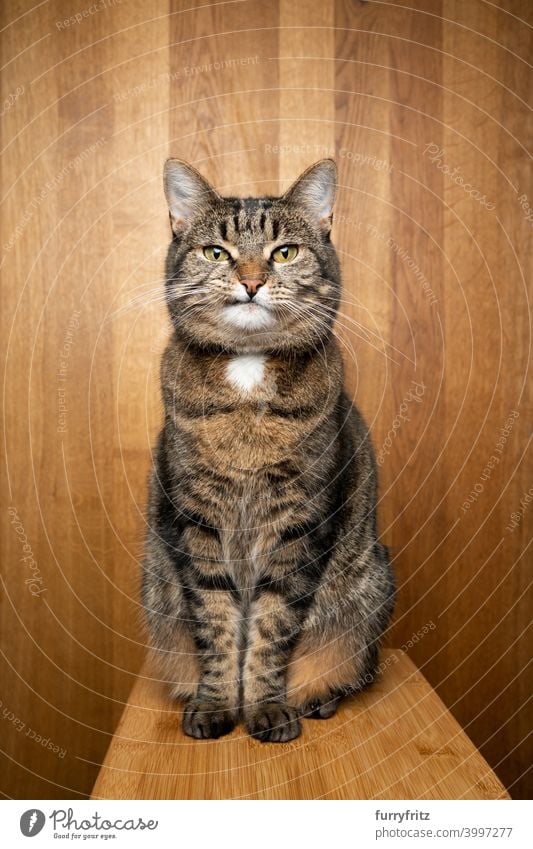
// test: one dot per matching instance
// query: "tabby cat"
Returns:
(265, 588)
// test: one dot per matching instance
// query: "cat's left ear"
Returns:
(315, 190)
(187, 193)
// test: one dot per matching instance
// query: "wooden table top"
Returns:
(395, 741)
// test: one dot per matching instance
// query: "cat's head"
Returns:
(252, 273)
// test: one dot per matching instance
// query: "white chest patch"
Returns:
(246, 371)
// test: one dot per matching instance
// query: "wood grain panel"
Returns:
(306, 77)
(80, 205)
(458, 566)
(435, 324)
(225, 115)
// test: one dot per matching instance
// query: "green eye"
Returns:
(286, 253)
(214, 253)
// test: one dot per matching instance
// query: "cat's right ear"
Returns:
(187, 193)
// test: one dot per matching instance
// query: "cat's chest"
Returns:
(249, 373)
(244, 412)
(241, 429)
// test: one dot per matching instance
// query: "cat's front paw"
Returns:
(273, 723)
(205, 720)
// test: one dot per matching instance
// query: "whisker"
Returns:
(316, 309)
(345, 322)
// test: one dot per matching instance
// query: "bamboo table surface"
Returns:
(394, 741)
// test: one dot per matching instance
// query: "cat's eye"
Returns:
(214, 253)
(285, 253)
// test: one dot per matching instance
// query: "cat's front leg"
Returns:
(274, 627)
(214, 621)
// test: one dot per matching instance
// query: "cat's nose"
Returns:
(252, 286)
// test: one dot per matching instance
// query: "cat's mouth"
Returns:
(254, 303)
(249, 315)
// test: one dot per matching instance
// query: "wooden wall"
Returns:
(424, 104)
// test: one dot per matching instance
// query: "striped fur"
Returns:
(265, 588)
